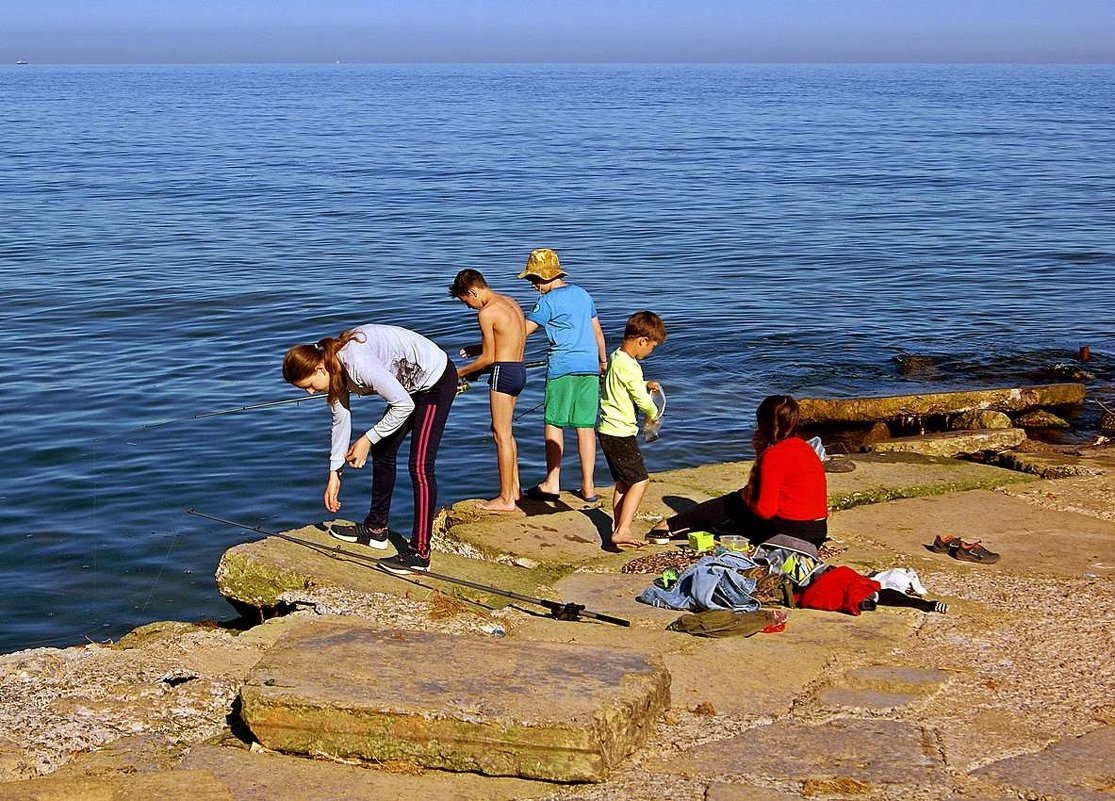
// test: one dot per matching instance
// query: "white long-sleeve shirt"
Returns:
(393, 363)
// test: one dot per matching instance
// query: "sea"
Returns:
(167, 232)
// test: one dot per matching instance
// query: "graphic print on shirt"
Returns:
(407, 373)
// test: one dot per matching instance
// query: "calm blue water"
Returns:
(168, 231)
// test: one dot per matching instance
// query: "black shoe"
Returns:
(661, 536)
(406, 562)
(361, 534)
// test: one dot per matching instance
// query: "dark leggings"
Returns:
(427, 421)
(730, 512)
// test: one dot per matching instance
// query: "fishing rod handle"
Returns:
(617, 621)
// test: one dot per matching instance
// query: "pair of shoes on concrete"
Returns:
(964, 551)
(404, 562)
(363, 534)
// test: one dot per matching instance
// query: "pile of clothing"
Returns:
(770, 576)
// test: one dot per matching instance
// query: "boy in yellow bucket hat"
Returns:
(576, 357)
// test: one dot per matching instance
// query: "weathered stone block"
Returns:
(868, 755)
(1079, 768)
(268, 776)
(978, 419)
(505, 708)
(954, 443)
(830, 411)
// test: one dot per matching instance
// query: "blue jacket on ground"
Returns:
(711, 583)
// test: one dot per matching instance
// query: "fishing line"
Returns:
(531, 410)
(162, 568)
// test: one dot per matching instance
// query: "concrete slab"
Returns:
(722, 791)
(1093, 496)
(563, 537)
(193, 785)
(780, 667)
(881, 477)
(614, 594)
(1029, 539)
(275, 777)
(877, 688)
(499, 707)
(1048, 465)
(867, 755)
(143, 753)
(1080, 769)
(257, 573)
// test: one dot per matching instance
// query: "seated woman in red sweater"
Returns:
(785, 502)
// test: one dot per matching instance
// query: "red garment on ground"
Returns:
(791, 482)
(840, 589)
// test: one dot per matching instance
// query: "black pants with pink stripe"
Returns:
(426, 423)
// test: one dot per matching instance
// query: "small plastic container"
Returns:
(734, 542)
(700, 540)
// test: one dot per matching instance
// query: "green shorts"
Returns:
(573, 401)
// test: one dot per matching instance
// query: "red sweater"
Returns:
(791, 482)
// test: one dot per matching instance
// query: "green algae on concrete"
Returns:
(535, 710)
(256, 573)
(882, 477)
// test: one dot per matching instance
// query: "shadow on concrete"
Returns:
(678, 504)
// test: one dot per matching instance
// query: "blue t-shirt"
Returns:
(566, 315)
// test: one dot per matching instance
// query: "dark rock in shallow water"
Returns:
(915, 364)
(1040, 418)
(1069, 372)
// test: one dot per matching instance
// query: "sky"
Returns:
(549, 31)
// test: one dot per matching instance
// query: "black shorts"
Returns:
(625, 460)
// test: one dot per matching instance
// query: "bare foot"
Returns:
(497, 506)
(625, 539)
(626, 543)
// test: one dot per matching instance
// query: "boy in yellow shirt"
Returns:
(624, 393)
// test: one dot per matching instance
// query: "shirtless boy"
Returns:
(503, 336)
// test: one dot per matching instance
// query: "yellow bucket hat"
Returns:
(543, 264)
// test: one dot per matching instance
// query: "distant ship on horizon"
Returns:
(21, 63)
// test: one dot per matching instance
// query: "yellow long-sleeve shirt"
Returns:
(624, 391)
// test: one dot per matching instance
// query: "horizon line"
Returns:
(27, 62)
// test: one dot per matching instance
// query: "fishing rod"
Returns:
(464, 385)
(558, 610)
(219, 412)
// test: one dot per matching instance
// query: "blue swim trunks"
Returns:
(508, 378)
